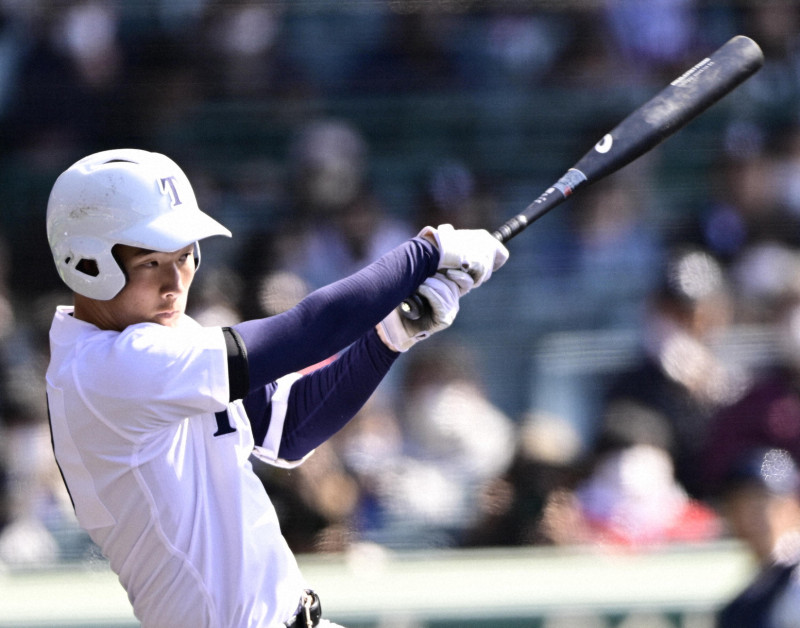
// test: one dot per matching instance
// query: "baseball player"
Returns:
(153, 416)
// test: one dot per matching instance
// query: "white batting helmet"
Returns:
(125, 196)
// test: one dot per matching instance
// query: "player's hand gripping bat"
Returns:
(684, 99)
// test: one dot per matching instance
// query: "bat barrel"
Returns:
(681, 101)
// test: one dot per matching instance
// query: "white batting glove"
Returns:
(442, 292)
(475, 251)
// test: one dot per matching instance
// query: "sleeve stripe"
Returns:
(279, 404)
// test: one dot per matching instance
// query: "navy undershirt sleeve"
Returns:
(323, 401)
(330, 319)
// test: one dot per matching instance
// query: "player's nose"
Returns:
(172, 279)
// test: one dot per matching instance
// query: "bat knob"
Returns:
(413, 308)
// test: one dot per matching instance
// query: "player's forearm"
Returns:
(333, 317)
(322, 402)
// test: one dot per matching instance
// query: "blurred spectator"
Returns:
(72, 74)
(32, 493)
(453, 194)
(787, 171)
(316, 505)
(328, 43)
(592, 57)
(678, 374)
(38, 525)
(775, 25)
(766, 278)
(268, 287)
(513, 49)
(545, 464)
(426, 468)
(328, 167)
(70, 96)
(26, 462)
(658, 40)
(750, 189)
(761, 503)
(241, 55)
(215, 293)
(15, 20)
(409, 57)
(613, 238)
(600, 260)
(341, 223)
(768, 415)
(629, 497)
(369, 448)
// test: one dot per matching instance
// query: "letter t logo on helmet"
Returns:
(125, 196)
(168, 187)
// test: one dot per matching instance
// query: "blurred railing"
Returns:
(554, 588)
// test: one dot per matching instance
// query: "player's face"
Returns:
(156, 289)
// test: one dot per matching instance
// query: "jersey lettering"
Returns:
(223, 424)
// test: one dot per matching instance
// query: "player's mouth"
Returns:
(167, 317)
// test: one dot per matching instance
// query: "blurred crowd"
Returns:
(634, 365)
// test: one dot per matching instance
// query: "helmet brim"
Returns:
(172, 231)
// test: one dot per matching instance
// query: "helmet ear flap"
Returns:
(88, 267)
(196, 255)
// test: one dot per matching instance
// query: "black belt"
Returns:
(309, 613)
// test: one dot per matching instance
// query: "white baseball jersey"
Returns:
(156, 463)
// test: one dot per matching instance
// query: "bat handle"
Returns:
(510, 228)
(415, 307)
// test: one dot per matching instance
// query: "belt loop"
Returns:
(308, 613)
(308, 600)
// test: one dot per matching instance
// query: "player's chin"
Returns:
(168, 318)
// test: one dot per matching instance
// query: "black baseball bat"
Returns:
(672, 108)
